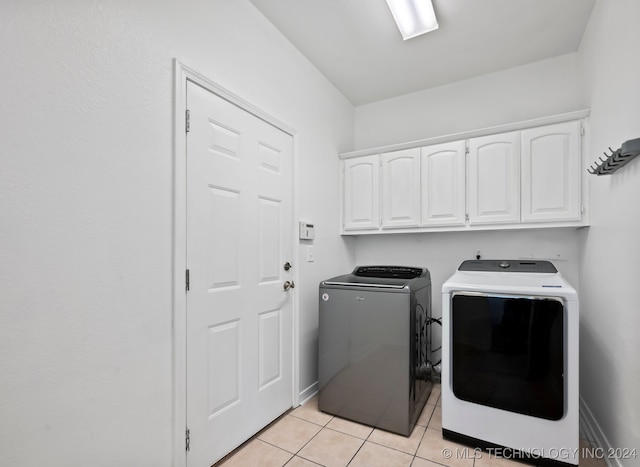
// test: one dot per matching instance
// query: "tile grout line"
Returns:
(415, 452)
(363, 443)
(322, 427)
(256, 437)
(325, 426)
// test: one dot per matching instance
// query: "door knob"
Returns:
(287, 266)
(288, 285)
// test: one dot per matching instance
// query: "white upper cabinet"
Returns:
(522, 175)
(443, 184)
(401, 188)
(494, 179)
(361, 195)
(551, 173)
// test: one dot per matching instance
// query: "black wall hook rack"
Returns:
(616, 159)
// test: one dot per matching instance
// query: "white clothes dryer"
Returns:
(510, 361)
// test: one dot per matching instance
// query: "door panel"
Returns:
(224, 247)
(362, 193)
(494, 179)
(239, 318)
(508, 353)
(443, 189)
(270, 338)
(269, 240)
(550, 173)
(401, 188)
(223, 348)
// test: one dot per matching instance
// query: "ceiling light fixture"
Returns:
(413, 17)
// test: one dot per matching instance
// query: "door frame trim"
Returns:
(183, 74)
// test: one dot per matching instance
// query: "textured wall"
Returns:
(86, 107)
(610, 252)
(539, 89)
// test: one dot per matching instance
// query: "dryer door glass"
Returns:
(508, 353)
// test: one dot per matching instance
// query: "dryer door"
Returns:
(507, 352)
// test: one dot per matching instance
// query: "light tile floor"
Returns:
(307, 437)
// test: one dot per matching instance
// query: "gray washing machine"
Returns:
(374, 346)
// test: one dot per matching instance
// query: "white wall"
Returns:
(86, 110)
(539, 89)
(610, 251)
(442, 253)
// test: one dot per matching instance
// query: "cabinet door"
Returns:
(443, 187)
(401, 188)
(362, 193)
(494, 179)
(551, 158)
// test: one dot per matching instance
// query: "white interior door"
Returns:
(239, 317)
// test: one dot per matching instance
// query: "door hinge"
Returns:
(581, 130)
(187, 121)
(466, 217)
(187, 440)
(187, 284)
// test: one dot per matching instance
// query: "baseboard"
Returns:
(595, 435)
(308, 393)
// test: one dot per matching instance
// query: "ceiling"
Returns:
(356, 45)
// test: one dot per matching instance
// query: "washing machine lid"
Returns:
(519, 278)
(389, 277)
(389, 272)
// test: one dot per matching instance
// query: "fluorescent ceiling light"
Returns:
(413, 17)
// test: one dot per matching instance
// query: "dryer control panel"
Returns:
(508, 265)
